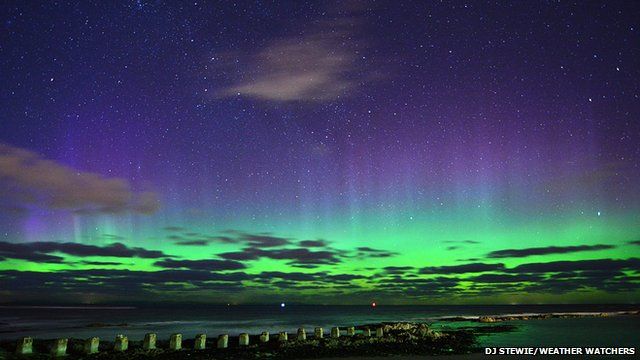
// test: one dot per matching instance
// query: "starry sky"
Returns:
(320, 152)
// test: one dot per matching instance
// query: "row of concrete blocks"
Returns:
(121, 343)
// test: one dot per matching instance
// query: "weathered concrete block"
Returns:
(335, 332)
(91, 345)
(200, 342)
(302, 334)
(243, 340)
(121, 343)
(175, 342)
(59, 347)
(366, 332)
(264, 337)
(25, 346)
(379, 332)
(283, 336)
(351, 331)
(149, 342)
(423, 330)
(318, 333)
(223, 341)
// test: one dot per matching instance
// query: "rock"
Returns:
(149, 342)
(175, 342)
(25, 346)
(264, 337)
(59, 347)
(91, 345)
(200, 342)
(121, 343)
(283, 336)
(243, 340)
(223, 341)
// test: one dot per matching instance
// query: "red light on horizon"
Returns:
(373, 304)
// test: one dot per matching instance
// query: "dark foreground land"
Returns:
(401, 341)
(398, 339)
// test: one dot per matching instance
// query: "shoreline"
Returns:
(400, 340)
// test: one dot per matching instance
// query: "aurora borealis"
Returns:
(314, 152)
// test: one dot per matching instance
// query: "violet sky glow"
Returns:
(313, 149)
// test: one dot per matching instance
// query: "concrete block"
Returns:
(149, 342)
(121, 343)
(366, 332)
(91, 345)
(223, 341)
(283, 336)
(335, 332)
(351, 331)
(318, 333)
(302, 334)
(200, 342)
(59, 347)
(243, 340)
(264, 337)
(379, 332)
(175, 342)
(25, 346)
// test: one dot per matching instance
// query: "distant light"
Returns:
(373, 304)
(598, 213)
(282, 305)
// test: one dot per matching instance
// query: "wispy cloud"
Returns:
(321, 64)
(31, 180)
(519, 253)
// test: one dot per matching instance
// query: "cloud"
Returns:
(461, 269)
(368, 252)
(635, 242)
(598, 265)
(314, 243)
(41, 251)
(193, 243)
(398, 269)
(300, 257)
(264, 240)
(518, 253)
(323, 63)
(30, 180)
(209, 265)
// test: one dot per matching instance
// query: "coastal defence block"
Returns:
(423, 330)
(318, 333)
(335, 332)
(91, 345)
(379, 332)
(223, 341)
(264, 337)
(283, 336)
(175, 342)
(25, 346)
(366, 332)
(200, 342)
(243, 340)
(302, 335)
(59, 347)
(351, 331)
(149, 342)
(121, 343)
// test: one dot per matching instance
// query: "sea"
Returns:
(107, 322)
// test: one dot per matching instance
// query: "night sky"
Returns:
(315, 152)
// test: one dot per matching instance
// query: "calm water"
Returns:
(135, 322)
